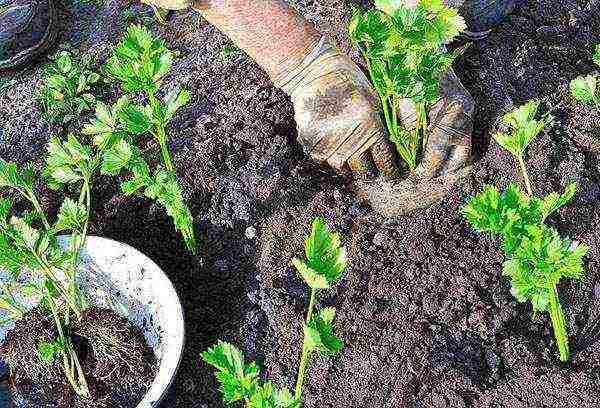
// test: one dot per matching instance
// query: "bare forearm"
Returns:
(272, 33)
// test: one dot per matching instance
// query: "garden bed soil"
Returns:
(118, 364)
(425, 314)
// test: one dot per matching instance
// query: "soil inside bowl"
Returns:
(119, 365)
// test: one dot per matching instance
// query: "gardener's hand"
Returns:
(446, 158)
(337, 114)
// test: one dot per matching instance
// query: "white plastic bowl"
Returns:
(125, 280)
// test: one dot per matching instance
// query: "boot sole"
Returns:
(31, 53)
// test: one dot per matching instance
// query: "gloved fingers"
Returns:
(363, 166)
(451, 126)
(339, 145)
(384, 155)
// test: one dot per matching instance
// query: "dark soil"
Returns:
(118, 364)
(426, 316)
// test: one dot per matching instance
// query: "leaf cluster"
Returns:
(325, 257)
(140, 61)
(68, 88)
(241, 381)
(404, 46)
(114, 130)
(537, 257)
(586, 88)
(28, 243)
(523, 128)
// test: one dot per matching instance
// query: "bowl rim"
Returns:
(153, 400)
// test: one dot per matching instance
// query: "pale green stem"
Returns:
(161, 138)
(558, 323)
(304, 359)
(525, 175)
(70, 359)
(30, 195)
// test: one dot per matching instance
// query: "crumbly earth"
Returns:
(426, 316)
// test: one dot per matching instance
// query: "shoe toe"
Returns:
(27, 30)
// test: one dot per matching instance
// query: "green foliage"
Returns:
(319, 333)
(69, 162)
(139, 63)
(326, 259)
(68, 88)
(585, 88)
(537, 258)
(524, 128)
(325, 263)
(405, 54)
(240, 381)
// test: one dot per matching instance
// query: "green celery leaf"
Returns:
(312, 278)
(524, 128)
(166, 190)
(71, 216)
(325, 256)
(554, 201)
(133, 118)
(238, 380)
(115, 159)
(174, 101)
(318, 333)
(49, 350)
(267, 396)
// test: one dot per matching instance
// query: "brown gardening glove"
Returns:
(337, 115)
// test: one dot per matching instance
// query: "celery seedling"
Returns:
(67, 90)
(404, 50)
(537, 257)
(325, 264)
(585, 88)
(139, 63)
(30, 252)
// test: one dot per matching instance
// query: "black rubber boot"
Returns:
(483, 15)
(27, 30)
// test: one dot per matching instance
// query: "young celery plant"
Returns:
(537, 257)
(404, 50)
(324, 265)
(139, 63)
(25, 247)
(585, 88)
(524, 128)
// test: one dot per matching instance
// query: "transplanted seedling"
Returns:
(67, 89)
(585, 88)
(139, 64)
(404, 50)
(537, 257)
(324, 265)
(40, 269)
